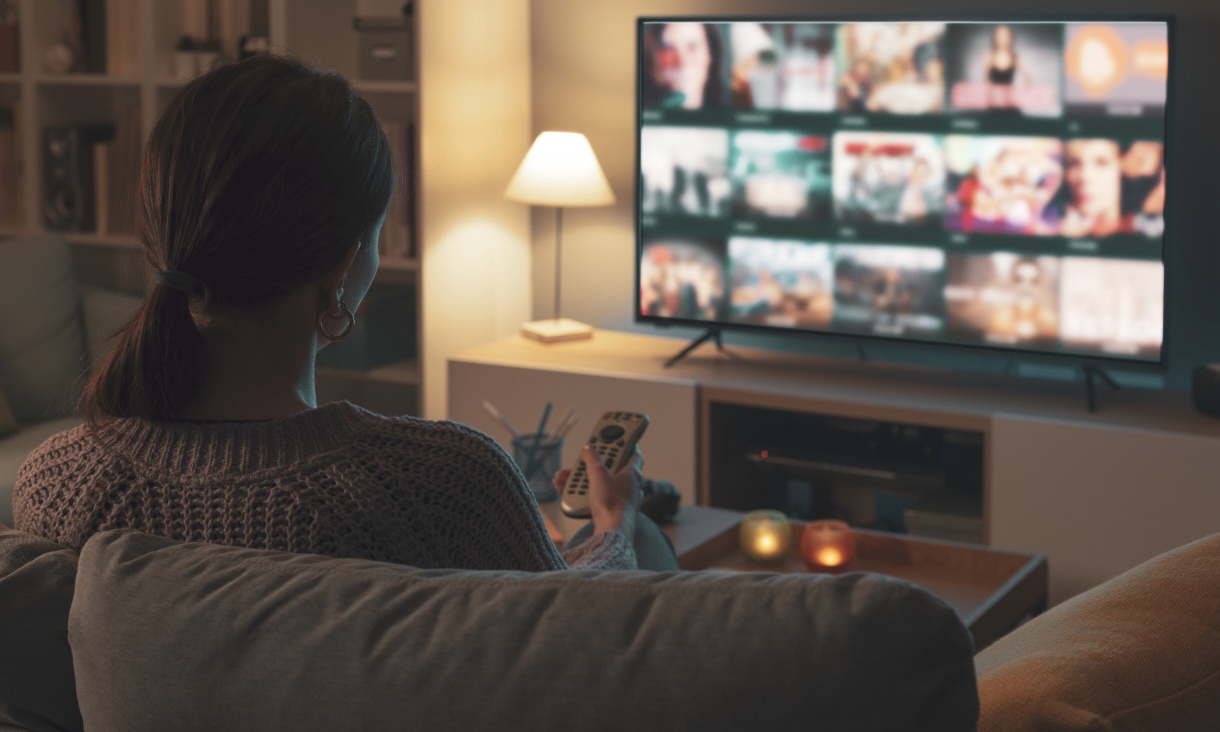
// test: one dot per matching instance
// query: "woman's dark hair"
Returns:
(714, 95)
(256, 180)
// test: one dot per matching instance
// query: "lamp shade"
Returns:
(560, 169)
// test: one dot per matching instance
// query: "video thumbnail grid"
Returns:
(1068, 304)
(1021, 69)
(979, 183)
(918, 187)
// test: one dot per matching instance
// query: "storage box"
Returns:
(384, 332)
(386, 52)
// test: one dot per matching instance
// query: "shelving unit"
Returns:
(318, 31)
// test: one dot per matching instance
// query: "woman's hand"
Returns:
(614, 500)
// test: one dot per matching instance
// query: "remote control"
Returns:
(614, 437)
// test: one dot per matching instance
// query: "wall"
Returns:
(474, 88)
(584, 80)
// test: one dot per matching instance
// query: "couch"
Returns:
(50, 331)
(152, 634)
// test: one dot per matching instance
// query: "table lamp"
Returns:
(559, 170)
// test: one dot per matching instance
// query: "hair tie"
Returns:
(175, 280)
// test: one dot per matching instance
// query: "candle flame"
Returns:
(829, 557)
(767, 543)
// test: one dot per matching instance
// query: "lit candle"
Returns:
(827, 546)
(765, 536)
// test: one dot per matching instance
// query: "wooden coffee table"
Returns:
(992, 590)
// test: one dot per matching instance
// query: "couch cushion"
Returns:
(42, 342)
(1140, 652)
(207, 637)
(13, 452)
(37, 689)
(105, 312)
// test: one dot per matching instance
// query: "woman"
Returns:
(262, 191)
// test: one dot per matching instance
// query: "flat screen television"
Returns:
(988, 184)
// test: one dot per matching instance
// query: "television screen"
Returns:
(994, 184)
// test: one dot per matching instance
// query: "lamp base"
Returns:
(556, 331)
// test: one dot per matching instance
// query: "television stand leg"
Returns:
(1091, 371)
(710, 334)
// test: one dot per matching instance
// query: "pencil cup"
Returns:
(540, 458)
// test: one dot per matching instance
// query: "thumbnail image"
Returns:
(897, 68)
(1111, 188)
(682, 278)
(1118, 70)
(780, 175)
(684, 171)
(889, 178)
(1010, 68)
(780, 283)
(1112, 306)
(1002, 185)
(889, 290)
(684, 66)
(787, 66)
(1003, 298)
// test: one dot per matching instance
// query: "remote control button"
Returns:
(612, 432)
(621, 443)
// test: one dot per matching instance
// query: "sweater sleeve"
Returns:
(608, 550)
(501, 498)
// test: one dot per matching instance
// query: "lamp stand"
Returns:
(557, 329)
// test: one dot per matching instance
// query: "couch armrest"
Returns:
(1140, 652)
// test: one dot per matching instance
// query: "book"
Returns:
(92, 14)
(124, 163)
(122, 37)
(12, 198)
(409, 190)
(10, 39)
(101, 187)
(396, 240)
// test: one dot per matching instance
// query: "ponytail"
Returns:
(156, 366)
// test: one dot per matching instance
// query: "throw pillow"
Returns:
(1140, 652)
(37, 684)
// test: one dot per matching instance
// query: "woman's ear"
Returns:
(336, 279)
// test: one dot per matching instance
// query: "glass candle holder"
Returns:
(765, 536)
(827, 546)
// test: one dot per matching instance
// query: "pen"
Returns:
(531, 457)
(495, 414)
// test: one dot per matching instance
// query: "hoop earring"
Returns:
(344, 313)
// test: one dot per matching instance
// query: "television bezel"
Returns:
(860, 340)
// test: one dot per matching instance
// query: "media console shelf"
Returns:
(1097, 493)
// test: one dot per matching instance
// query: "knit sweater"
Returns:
(337, 480)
